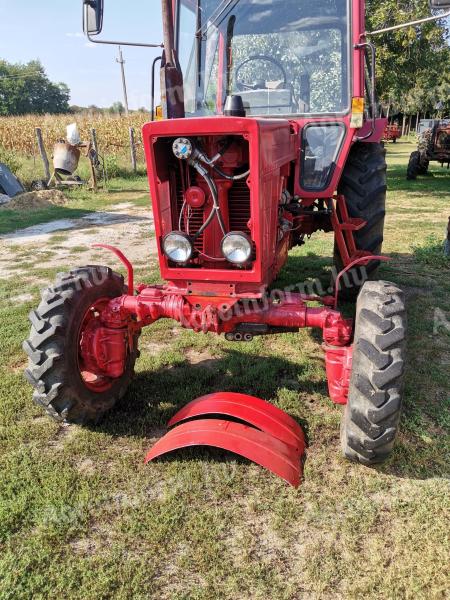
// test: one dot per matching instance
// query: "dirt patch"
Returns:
(153, 348)
(86, 467)
(37, 200)
(84, 546)
(124, 225)
(21, 299)
(204, 358)
(64, 434)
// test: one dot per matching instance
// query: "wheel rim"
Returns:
(90, 374)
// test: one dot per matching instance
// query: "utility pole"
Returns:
(124, 83)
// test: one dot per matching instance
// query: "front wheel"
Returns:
(65, 383)
(370, 420)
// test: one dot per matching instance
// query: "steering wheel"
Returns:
(261, 84)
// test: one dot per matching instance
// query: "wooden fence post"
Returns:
(133, 150)
(43, 153)
(94, 140)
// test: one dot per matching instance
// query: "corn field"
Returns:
(17, 134)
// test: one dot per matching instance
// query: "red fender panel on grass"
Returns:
(265, 450)
(257, 412)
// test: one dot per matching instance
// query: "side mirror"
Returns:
(92, 16)
(439, 4)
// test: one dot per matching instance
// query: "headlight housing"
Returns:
(177, 246)
(237, 247)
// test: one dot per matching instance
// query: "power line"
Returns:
(22, 75)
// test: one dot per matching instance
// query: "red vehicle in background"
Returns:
(392, 133)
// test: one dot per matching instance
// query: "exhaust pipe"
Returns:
(172, 92)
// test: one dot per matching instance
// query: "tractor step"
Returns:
(271, 439)
(352, 224)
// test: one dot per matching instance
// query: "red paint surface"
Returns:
(265, 450)
(252, 410)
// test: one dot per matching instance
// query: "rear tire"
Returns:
(54, 345)
(363, 184)
(423, 166)
(413, 165)
(370, 420)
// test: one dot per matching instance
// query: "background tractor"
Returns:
(270, 134)
(392, 133)
(433, 145)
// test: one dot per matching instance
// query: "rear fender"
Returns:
(265, 450)
(257, 412)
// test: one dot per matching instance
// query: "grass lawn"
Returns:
(81, 517)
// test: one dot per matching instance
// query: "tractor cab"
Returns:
(283, 58)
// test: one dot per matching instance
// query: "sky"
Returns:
(51, 31)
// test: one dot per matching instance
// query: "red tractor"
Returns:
(266, 139)
(392, 133)
(433, 146)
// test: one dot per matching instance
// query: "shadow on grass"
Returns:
(12, 220)
(137, 191)
(155, 396)
(68, 221)
(434, 184)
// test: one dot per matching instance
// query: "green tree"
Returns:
(25, 88)
(413, 64)
(117, 108)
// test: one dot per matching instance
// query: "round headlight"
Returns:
(177, 247)
(236, 247)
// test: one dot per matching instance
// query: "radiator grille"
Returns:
(238, 212)
(239, 206)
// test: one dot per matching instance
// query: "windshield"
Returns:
(283, 57)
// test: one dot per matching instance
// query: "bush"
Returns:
(118, 167)
(10, 159)
(112, 166)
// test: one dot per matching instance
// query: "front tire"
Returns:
(363, 185)
(60, 384)
(370, 420)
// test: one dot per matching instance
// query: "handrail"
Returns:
(410, 24)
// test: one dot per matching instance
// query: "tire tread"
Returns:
(370, 420)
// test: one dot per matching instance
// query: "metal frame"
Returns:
(373, 82)
(152, 101)
(404, 25)
(91, 37)
(348, 65)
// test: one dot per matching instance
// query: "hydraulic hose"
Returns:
(231, 177)
(215, 197)
(185, 149)
(211, 162)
